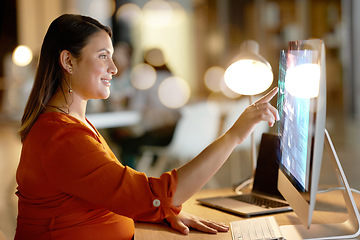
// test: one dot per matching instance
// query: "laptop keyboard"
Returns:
(259, 201)
(256, 228)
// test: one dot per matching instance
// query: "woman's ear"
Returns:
(66, 61)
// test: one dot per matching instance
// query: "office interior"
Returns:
(199, 39)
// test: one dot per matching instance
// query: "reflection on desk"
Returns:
(114, 119)
(330, 207)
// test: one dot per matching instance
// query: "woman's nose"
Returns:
(113, 69)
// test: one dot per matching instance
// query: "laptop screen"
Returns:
(266, 173)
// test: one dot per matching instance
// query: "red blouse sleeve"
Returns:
(76, 162)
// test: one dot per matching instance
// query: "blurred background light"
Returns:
(213, 78)
(155, 57)
(22, 55)
(178, 13)
(174, 92)
(143, 76)
(157, 13)
(102, 10)
(215, 43)
(129, 13)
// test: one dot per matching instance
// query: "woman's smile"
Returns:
(106, 82)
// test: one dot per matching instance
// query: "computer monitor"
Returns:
(301, 129)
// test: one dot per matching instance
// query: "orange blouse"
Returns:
(71, 186)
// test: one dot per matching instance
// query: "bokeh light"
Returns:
(157, 13)
(22, 55)
(179, 13)
(143, 76)
(213, 78)
(129, 13)
(174, 92)
(215, 43)
(101, 10)
(155, 57)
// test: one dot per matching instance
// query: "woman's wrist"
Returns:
(231, 137)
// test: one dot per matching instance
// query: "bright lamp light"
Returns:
(248, 77)
(250, 74)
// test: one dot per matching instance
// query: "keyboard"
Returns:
(259, 201)
(256, 229)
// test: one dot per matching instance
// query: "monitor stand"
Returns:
(348, 229)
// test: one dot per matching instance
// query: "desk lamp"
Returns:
(249, 74)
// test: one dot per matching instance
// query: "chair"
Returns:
(197, 128)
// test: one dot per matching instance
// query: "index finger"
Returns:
(268, 96)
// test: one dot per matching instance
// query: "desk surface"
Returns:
(325, 201)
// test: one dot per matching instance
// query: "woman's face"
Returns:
(93, 70)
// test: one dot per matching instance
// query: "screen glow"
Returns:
(303, 81)
(299, 84)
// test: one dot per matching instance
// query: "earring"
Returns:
(70, 89)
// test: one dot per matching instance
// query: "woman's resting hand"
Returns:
(184, 221)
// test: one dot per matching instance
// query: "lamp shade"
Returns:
(250, 73)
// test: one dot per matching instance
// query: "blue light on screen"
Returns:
(294, 126)
(295, 137)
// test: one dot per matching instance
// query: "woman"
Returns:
(70, 184)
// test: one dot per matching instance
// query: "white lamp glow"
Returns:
(248, 77)
(250, 74)
(303, 81)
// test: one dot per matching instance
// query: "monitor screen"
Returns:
(302, 109)
(297, 114)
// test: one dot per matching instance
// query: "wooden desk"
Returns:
(325, 201)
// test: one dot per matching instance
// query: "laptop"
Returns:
(264, 197)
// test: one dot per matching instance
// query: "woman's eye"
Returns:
(103, 56)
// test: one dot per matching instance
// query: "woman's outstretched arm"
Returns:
(196, 173)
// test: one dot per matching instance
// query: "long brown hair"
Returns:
(67, 32)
